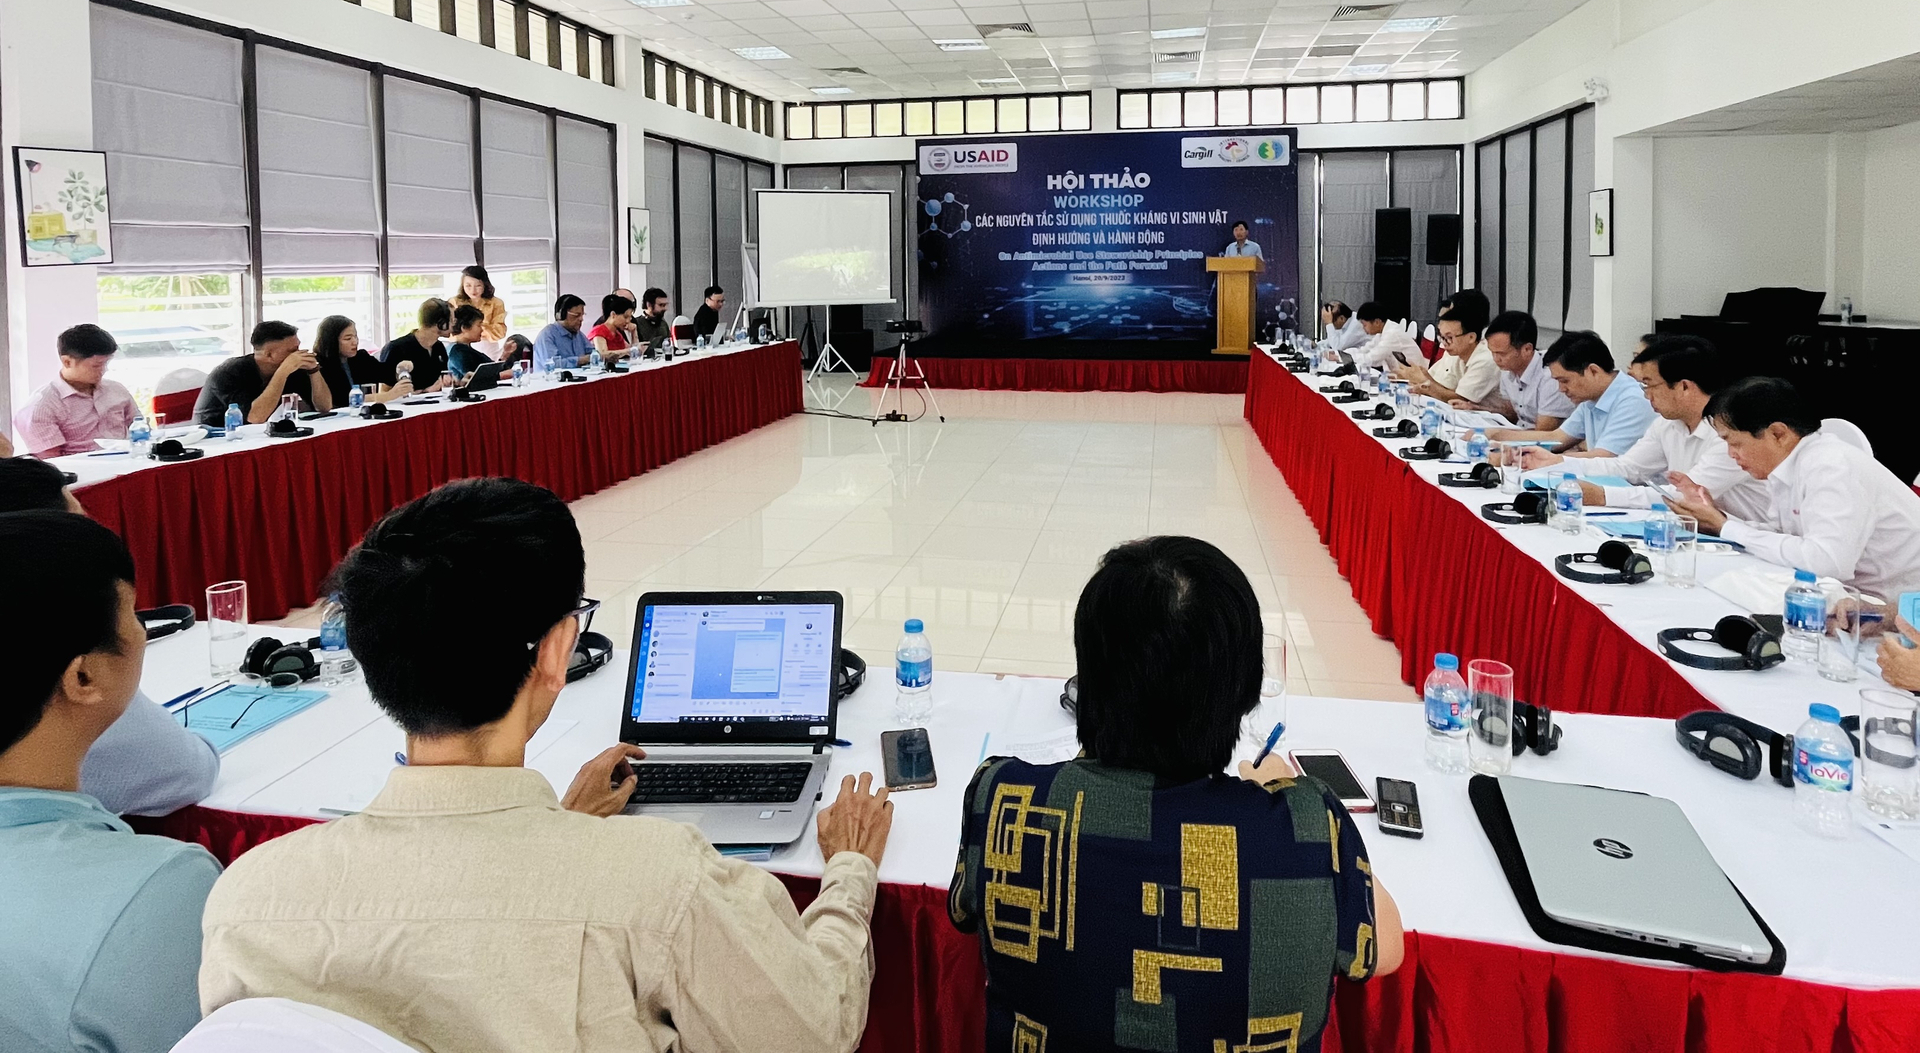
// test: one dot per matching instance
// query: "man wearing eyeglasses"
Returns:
(1467, 371)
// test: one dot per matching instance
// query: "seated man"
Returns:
(1835, 510)
(1680, 375)
(79, 404)
(1528, 395)
(256, 382)
(1236, 900)
(1467, 370)
(422, 347)
(100, 926)
(146, 763)
(1387, 347)
(1342, 331)
(1610, 411)
(561, 345)
(651, 326)
(467, 907)
(707, 318)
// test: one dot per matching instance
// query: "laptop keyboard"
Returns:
(727, 783)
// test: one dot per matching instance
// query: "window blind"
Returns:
(516, 183)
(659, 273)
(584, 187)
(696, 227)
(430, 209)
(319, 212)
(167, 111)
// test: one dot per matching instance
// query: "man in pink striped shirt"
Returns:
(80, 405)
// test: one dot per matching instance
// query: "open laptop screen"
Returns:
(733, 668)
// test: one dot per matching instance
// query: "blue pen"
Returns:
(109, 453)
(843, 743)
(1273, 739)
(181, 697)
(399, 758)
(1590, 515)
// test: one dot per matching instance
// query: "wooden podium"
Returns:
(1235, 311)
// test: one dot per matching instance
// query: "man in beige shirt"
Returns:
(469, 910)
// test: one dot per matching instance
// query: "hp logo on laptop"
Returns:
(1609, 847)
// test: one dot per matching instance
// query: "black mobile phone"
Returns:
(316, 414)
(908, 756)
(1399, 807)
(1331, 768)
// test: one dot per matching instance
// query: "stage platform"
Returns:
(1222, 375)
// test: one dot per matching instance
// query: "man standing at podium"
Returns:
(1240, 246)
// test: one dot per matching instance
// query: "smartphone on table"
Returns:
(1331, 768)
(908, 757)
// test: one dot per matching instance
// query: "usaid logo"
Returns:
(1613, 849)
(966, 160)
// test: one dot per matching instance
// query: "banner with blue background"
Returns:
(1096, 245)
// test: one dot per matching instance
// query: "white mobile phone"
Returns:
(1331, 768)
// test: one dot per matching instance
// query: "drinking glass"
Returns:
(1273, 681)
(1853, 616)
(158, 424)
(226, 627)
(1490, 721)
(1683, 559)
(1889, 755)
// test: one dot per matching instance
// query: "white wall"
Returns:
(1890, 242)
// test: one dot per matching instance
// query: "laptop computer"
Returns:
(735, 699)
(1628, 865)
(484, 376)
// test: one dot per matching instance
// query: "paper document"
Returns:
(1476, 419)
(1904, 837)
(1062, 745)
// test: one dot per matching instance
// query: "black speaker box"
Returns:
(1443, 239)
(1393, 286)
(1392, 233)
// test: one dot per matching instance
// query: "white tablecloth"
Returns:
(1845, 910)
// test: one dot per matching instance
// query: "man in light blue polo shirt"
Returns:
(560, 345)
(99, 926)
(1610, 410)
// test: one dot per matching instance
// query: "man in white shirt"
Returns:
(1528, 395)
(1467, 370)
(1342, 328)
(1836, 511)
(1240, 246)
(1680, 375)
(1387, 346)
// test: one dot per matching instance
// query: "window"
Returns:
(302, 301)
(1406, 100)
(859, 123)
(799, 122)
(405, 294)
(886, 119)
(537, 23)
(980, 115)
(529, 296)
(695, 92)
(506, 33)
(949, 117)
(1336, 224)
(1043, 114)
(549, 40)
(1013, 115)
(1076, 113)
(427, 13)
(826, 122)
(1529, 254)
(920, 118)
(166, 322)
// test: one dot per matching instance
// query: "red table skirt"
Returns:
(1435, 577)
(1225, 377)
(279, 518)
(1449, 995)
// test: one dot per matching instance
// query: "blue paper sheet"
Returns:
(214, 716)
(1602, 481)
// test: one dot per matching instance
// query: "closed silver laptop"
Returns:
(735, 698)
(1628, 865)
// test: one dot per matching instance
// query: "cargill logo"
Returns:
(1607, 846)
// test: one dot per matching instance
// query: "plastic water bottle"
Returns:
(1823, 773)
(139, 438)
(1660, 531)
(593, 360)
(336, 663)
(235, 419)
(1846, 310)
(1429, 418)
(1383, 382)
(1477, 446)
(1402, 398)
(355, 397)
(1569, 504)
(1446, 695)
(913, 675)
(1806, 617)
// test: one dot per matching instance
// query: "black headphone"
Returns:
(1298, 365)
(1383, 411)
(1482, 475)
(281, 664)
(851, 673)
(285, 428)
(1530, 507)
(1345, 369)
(1735, 745)
(1406, 429)
(590, 651)
(174, 450)
(1533, 728)
(1345, 387)
(1432, 450)
(1621, 565)
(1753, 646)
(379, 411)
(165, 621)
(460, 394)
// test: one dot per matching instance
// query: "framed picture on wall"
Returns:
(1600, 222)
(639, 236)
(62, 197)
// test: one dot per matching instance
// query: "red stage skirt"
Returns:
(279, 518)
(1225, 377)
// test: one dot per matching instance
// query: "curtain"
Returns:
(1550, 227)
(696, 228)
(1517, 296)
(730, 227)
(319, 207)
(516, 185)
(167, 111)
(1309, 193)
(584, 187)
(1487, 249)
(1580, 301)
(665, 247)
(1353, 184)
(1427, 182)
(431, 223)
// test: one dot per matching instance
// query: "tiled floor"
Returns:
(985, 527)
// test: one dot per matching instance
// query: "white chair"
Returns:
(182, 379)
(1432, 333)
(1847, 432)
(176, 393)
(281, 1025)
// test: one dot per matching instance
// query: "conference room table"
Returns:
(1475, 976)
(1434, 575)
(279, 513)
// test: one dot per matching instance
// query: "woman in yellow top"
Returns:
(476, 291)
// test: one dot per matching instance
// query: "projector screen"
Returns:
(824, 247)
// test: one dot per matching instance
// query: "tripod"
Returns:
(900, 377)
(829, 358)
